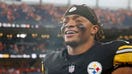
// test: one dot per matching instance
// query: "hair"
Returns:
(100, 34)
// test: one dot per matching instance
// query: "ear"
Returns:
(94, 29)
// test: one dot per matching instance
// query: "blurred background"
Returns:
(30, 28)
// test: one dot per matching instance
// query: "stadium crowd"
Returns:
(14, 48)
(51, 14)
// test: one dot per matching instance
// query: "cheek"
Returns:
(86, 34)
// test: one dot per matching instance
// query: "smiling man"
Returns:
(84, 54)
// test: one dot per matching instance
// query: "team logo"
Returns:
(72, 9)
(94, 68)
(71, 68)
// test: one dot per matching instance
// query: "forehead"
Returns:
(74, 17)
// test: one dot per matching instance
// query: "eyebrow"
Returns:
(75, 17)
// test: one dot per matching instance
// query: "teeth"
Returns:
(70, 32)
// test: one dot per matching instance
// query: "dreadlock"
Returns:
(100, 34)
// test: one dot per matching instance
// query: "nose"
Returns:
(67, 26)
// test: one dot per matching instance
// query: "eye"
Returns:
(65, 21)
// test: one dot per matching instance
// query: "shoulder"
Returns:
(123, 55)
(115, 45)
(116, 42)
(53, 54)
(122, 59)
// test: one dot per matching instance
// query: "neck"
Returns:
(80, 48)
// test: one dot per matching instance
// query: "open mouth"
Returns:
(71, 32)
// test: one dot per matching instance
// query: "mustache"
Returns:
(81, 27)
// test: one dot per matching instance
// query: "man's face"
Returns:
(74, 35)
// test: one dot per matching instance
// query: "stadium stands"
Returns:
(50, 14)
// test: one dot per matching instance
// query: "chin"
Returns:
(71, 43)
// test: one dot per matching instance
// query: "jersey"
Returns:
(101, 58)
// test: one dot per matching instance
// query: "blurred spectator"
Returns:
(2, 48)
(41, 48)
(13, 48)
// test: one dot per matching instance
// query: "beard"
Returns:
(76, 43)
(72, 43)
